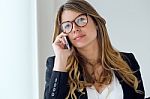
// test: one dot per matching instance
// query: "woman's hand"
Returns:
(61, 53)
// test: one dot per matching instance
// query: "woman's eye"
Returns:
(67, 26)
(81, 19)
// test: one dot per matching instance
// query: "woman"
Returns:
(90, 68)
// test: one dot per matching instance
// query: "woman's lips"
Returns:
(79, 37)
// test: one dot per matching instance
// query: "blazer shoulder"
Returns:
(130, 60)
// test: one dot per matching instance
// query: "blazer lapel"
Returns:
(128, 92)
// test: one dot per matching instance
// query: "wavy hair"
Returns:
(110, 58)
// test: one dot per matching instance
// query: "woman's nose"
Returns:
(75, 28)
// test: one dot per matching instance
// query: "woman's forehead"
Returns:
(69, 15)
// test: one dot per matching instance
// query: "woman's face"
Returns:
(80, 36)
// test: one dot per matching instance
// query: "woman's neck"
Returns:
(90, 51)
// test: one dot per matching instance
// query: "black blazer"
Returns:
(56, 82)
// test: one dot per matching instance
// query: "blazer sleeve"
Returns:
(56, 82)
(132, 62)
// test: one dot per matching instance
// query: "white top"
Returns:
(112, 91)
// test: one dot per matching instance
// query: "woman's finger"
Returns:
(60, 38)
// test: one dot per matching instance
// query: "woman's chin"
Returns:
(80, 46)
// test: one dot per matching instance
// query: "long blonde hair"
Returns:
(110, 58)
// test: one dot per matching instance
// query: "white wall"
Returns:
(128, 26)
(18, 50)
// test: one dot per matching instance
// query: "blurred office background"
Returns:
(26, 28)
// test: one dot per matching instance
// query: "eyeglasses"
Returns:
(80, 21)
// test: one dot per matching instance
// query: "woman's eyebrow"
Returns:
(73, 19)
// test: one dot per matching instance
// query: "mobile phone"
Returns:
(68, 43)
